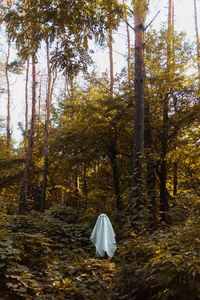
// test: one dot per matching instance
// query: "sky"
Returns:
(184, 21)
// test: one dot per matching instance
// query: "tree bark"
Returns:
(46, 153)
(129, 50)
(113, 147)
(150, 162)
(111, 63)
(85, 185)
(197, 41)
(115, 170)
(175, 178)
(26, 106)
(8, 130)
(164, 205)
(23, 195)
(39, 102)
(137, 194)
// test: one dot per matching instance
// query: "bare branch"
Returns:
(119, 53)
(152, 20)
(130, 26)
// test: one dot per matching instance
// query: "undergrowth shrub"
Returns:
(22, 256)
(161, 265)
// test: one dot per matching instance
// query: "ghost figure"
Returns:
(103, 237)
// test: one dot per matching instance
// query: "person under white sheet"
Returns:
(103, 237)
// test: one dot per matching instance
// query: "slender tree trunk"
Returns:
(72, 86)
(197, 41)
(85, 185)
(76, 187)
(163, 170)
(150, 163)
(113, 148)
(26, 106)
(46, 154)
(55, 74)
(129, 50)
(75, 177)
(111, 63)
(115, 169)
(8, 130)
(175, 178)
(65, 85)
(137, 194)
(23, 195)
(39, 101)
(164, 205)
(129, 55)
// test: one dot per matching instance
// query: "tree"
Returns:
(197, 40)
(129, 50)
(8, 130)
(163, 172)
(82, 141)
(137, 194)
(181, 96)
(50, 86)
(26, 104)
(74, 23)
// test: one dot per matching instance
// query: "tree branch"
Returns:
(152, 20)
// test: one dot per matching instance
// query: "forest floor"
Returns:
(50, 256)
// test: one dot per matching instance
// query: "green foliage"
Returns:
(11, 165)
(86, 279)
(72, 24)
(88, 126)
(163, 264)
(50, 256)
(16, 67)
(21, 255)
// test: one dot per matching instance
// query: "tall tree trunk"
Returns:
(164, 205)
(150, 161)
(8, 130)
(113, 148)
(129, 50)
(137, 194)
(55, 74)
(197, 41)
(111, 63)
(39, 102)
(23, 195)
(26, 106)
(46, 154)
(129, 55)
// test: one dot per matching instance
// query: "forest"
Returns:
(125, 144)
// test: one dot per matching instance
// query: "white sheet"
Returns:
(103, 236)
